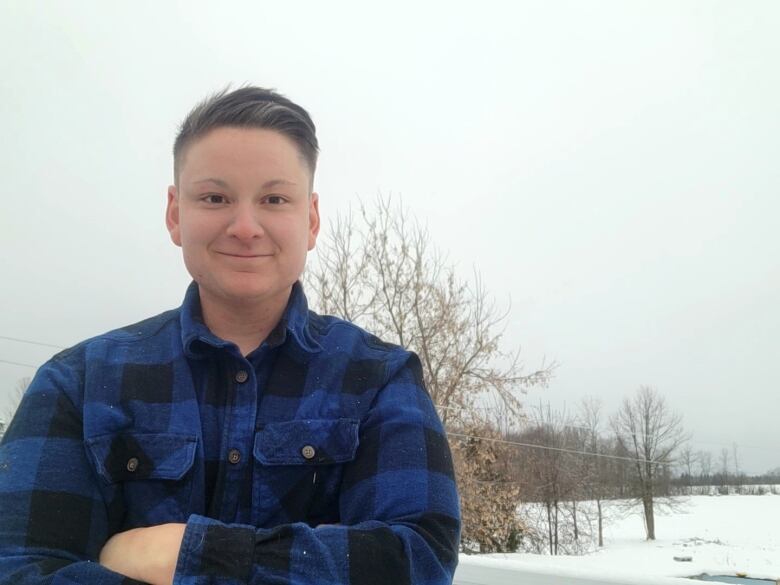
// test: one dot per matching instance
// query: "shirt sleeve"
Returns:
(399, 513)
(53, 519)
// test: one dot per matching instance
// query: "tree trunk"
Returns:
(647, 502)
(601, 525)
(548, 505)
(574, 518)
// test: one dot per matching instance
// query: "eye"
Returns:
(214, 198)
(274, 199)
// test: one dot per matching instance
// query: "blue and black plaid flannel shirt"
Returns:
(318, 458)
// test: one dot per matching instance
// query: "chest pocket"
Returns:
(147, 473)
(298, 469)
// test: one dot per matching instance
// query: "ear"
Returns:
(314, 219)
(172, 215)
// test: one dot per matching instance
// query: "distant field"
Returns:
(722, 534)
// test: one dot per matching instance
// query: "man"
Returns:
(240, 438)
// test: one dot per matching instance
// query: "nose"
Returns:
(245, 223)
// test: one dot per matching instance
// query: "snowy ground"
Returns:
(723, 535)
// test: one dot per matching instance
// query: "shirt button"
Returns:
(308, 452)
(234, 456)
(132, 464)
(241, 376)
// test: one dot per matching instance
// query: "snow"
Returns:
(476, 570)
(723, 535)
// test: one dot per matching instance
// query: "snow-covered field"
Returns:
(723, 535)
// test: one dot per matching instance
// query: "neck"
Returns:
(245, 323)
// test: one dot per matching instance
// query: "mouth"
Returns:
(244, 256)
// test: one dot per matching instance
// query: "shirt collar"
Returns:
(196, 336)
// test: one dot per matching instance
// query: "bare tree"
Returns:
(705, 466)
(378, 269)
(597, 474)
(652, 434)
(737, 470)
(549, 468)
(553, 474)
(14, 399)
(688, 459)
(724, 466)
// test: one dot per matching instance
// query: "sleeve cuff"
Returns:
(211, 549)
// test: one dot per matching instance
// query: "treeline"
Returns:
(699, 469)
(570, 472)
(563, 460)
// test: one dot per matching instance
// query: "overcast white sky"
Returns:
(610, 167)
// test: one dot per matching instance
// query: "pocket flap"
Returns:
(307, 442)
(131, 456)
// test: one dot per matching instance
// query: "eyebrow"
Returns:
(267, 185)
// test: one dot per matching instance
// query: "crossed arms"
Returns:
(399, 520)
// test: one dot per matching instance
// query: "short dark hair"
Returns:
(248, 107)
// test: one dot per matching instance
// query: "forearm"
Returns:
(375, 553)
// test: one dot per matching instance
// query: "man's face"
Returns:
(243, 215)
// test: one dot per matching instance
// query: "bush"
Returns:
(488, 496)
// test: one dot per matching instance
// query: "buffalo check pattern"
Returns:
(316, 459)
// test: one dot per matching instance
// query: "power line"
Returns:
(18, 364)
(605, 434)
(560, 449)
(31, 342)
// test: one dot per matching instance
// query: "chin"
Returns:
(253, 290)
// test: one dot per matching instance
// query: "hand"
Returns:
(145, 554)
